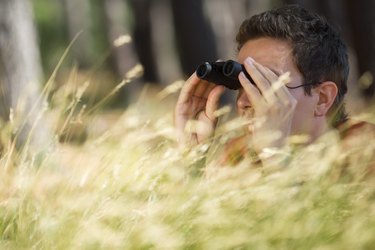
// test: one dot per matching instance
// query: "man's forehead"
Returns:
(272, 53)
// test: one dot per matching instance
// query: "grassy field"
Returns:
(127, 185)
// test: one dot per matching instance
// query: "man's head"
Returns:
(292, 39)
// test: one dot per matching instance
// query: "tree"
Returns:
(20, 69)
(78, 22)
(194, 36)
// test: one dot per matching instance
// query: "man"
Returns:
(288, 39)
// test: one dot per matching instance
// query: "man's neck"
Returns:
(320, 127)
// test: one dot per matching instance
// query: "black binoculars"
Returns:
(222, 73)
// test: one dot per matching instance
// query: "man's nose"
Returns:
(243, 102)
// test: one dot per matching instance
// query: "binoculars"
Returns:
(222, 73)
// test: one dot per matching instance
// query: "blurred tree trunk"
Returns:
(226, 18)
(167, 60)
(78, 22)
(20, 69)
(143, 41)
(123, 56)
(194, 36)
(362, 24)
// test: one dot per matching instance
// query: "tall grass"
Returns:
(130, 187)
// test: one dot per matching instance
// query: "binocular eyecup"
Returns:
(222, 73)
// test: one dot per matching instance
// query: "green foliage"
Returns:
(51, 24)
(52, 30)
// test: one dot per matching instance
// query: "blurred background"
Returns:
(168, 38)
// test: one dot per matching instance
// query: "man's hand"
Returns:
(273, 106)
(198, 101)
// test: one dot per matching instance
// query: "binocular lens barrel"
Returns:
(204, 70)
(232, 69)
(222, 73)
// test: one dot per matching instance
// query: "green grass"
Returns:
(129, 187)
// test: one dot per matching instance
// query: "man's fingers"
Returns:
(188, 89)
(260, 80)
(210, 87)
(213, 101)
(252, 92)
(278, 86)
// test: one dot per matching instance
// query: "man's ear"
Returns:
(327, 92)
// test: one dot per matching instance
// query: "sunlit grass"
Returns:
(129, 186)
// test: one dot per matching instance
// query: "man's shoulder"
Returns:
(353, 128)
(358, 141)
